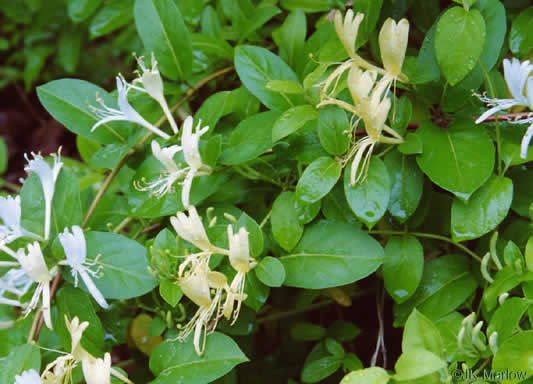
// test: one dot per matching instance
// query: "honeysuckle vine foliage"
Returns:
(261, 160)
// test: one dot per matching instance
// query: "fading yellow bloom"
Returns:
(393, 39)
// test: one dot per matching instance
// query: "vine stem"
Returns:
(429, 236)
(35, 331)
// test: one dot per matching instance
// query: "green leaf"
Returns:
(403, 267)
(521, 33)
(113, 15)
(332, 130)
(505, 280)
(331, 254)
(307, 332)
(250, 138)
(292, 38)
(412, 145)
(3, 156)
(523, 189)
(343, 331)
(124, 265)
(487, 208)
(373, 375)
(421, 333)
(284, 86)
(308, 5)
(291, 120)
(66, 205)
(260, 16)
(459, 159)
(80, 10)
(403, 110)
(173, 361)
(286, 228)
(69, 101)
(417, 363)
(211, 45)
(170, 291)
(370, 199)
(270, 271)
(321, 368)
(68, 50)
(507, 317)
(336, 208)
(163, 31)
(459, 42)
(256, 66)
(515, 355)
(21, 358)
(73, 302)
(35, 60)
(446, 283)
(493, 12)
(32, 205)
(407, 184)
(371, 9)
(317, 180)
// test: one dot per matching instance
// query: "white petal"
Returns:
(92, 289)
(525, 142)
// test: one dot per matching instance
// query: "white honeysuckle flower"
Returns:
(16, 282)
(97, 371)
(197, 285)
(174, 172)
(153, 85)
(170, 175)
(34, 265)
(393, 39)
(30, 376)
(48, 176)
(10, 214)
(76, 254)
(516, 75)
(125, 112)
(240, 260)
(347, 29)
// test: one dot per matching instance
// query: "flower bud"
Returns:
(393, 44)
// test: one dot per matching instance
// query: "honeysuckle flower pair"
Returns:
(517, 78)
(95, 370)
(369, 95)
(151, 83)
(76, 253)
(174, 172)
(197, 280)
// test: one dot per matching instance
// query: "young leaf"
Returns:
(270, 271)
(291, 120)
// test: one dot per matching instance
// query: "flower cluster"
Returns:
(30, 266)
(521, 89)
(207, 288)
(368, 85)
(95, 370)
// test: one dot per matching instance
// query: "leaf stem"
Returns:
(428, 236)
(11, 186)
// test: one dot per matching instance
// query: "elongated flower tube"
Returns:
(347, 30)
(30, 376)
(48, 176)
(196, 285)
(153, 85)
(125, 112)
(34, 265)
(76, 253)
(191, 229)
(15, 282)
(240, 260)
(393, 39)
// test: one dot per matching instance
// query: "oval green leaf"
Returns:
(163, 32)
(515, 355)
(459, 159)
(403, 267)
(459, 41)
(318, 179)
(291, 120)
(270, 271)
(331, 254)
(286, 228)
(521, 34)
(370, 199)
(332, 127)
(487, 208)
